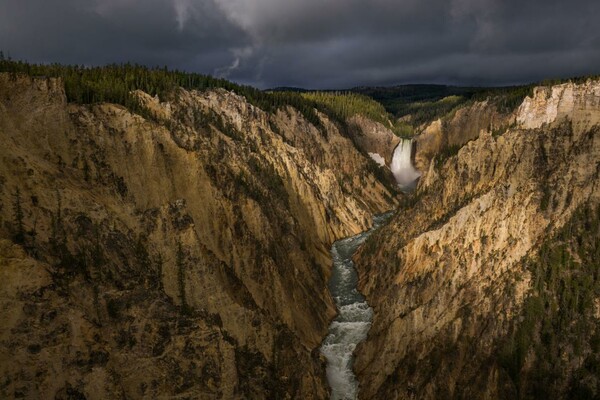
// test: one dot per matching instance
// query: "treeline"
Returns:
(508, 98)
(345, 105)
(114, 83)
(505, 99)
(412, 99)
(422, 112)
(425, 103)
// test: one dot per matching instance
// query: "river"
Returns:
(353, 321)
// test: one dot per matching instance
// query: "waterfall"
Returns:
(406, 175)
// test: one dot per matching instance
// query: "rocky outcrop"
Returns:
(448, 288)
(456, 129)
(372, 137)
(182, 255)
(551, 106)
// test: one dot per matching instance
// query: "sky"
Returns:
(317, 44)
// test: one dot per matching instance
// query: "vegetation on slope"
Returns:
(559, 330)
(397, 99)
(114, 84)
(421, 104)
(347, 104)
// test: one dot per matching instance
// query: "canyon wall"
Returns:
(182, 255)
(447, 134)
(488, 283)
(372, 137)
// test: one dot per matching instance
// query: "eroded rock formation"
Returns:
(185, 255)
(454, 289)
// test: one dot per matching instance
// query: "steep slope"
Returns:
(373, 138)
(445, 136)
(185, 255)
(498, 244)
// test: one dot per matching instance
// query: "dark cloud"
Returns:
(316, 43)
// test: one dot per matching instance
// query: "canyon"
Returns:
(186, 257)
(185, 252)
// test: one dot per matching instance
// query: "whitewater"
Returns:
(406, 175)
(353, 321)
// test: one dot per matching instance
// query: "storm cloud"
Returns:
(316, 43)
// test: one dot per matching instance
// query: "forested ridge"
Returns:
(346, 104)
(115, 83)
(401, 108)
(423, 103)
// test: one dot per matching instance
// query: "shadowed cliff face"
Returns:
(444, 136)
(373, 138)
(184, 256)
(469, 270)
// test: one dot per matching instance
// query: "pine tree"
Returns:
(86, 170)
(57, 237)
(180, 262)
(159, 271)
(19, 228)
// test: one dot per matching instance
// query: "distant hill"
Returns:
(425, 102)
(415, 92)
(422, 103)
(288, 89)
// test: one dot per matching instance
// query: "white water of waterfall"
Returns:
(353, 321)
(406, 175)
